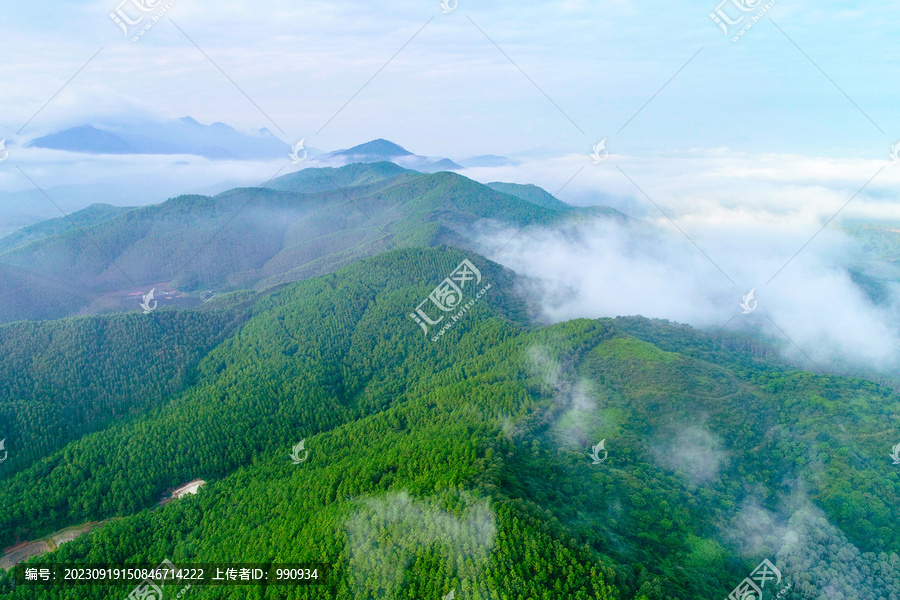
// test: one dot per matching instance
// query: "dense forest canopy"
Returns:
(462, 464)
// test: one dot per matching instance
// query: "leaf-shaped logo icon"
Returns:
(448, 5)
(148, 5)
(296, 450)
(596, 450)
(3, 447)
(895, 152)
(148, 298)
(600, 153)
(4, 153)
(450, 595)
(895, 455)
(296, 158)
(748, 5)
(748, 303)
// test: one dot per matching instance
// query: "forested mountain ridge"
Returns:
(62, 379)
(327, 179)
(467, 458)
(92, 215)
(300, 225)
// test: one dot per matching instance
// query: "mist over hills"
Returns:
(449, 301)
(219, 141)
(140, 161)
(302, 224)
(318, 219)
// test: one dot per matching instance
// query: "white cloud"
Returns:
(749, 219)
(387, 533)
(690, 449)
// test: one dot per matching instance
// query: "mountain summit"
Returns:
(382, 150)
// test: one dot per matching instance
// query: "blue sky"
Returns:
(451, 92)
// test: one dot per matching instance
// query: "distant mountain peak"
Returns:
(380, 148)
(84, 138)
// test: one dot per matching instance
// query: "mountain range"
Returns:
(301, 225)
(153, 160)
(217, 141)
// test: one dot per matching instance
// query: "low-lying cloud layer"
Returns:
(813, 287)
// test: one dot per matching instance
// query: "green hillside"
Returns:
(531, 193)
(463, 463)
(25, 294)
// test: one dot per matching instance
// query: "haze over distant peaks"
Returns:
(220, 141)
(181, 136)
